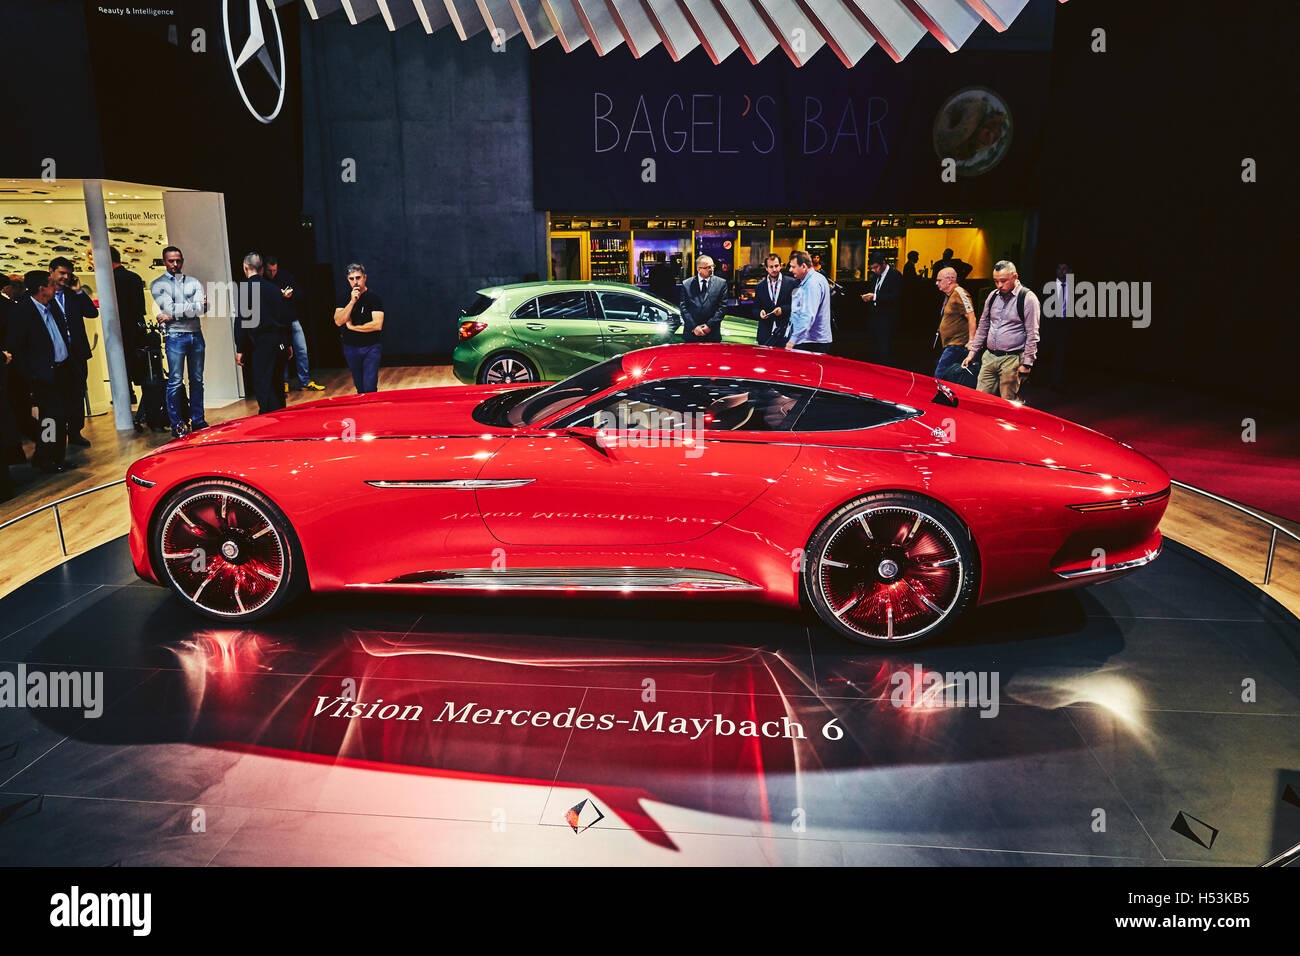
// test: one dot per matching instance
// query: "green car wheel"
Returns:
(507, 369)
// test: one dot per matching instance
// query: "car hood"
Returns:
(418, 411)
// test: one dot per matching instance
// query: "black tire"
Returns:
(902, 580)
(507, 368)
(215, 542)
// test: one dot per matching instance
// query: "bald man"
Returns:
(957, 323)
(704, 296)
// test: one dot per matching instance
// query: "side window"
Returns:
(838, 412)
(526, 311)
(623, 307)
(563, 305)
(698, 404)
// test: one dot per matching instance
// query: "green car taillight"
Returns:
(470, 328)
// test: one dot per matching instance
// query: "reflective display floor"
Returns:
(1154, 720)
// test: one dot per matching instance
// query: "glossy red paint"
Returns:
(745, 504)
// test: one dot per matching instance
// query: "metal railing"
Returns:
(58, 520)
(1272, 541)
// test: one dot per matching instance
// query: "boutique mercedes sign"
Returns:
(255, 47)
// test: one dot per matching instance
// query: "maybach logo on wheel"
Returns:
(253, 87)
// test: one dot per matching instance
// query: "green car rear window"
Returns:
(480, 305)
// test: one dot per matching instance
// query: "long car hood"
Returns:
(416, 411)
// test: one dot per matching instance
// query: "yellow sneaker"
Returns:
(314, 387)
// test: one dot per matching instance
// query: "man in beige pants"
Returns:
(1007, 333)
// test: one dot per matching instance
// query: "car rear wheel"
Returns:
(227, 550)
(890, 569)
(507, 369)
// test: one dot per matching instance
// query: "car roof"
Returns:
(780, 365)
(537, 288)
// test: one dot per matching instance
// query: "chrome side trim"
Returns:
(1107, 569)
(142, 482)
(460, 484)
(569, 579)
(734, 441)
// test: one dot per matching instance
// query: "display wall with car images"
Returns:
(39, 221)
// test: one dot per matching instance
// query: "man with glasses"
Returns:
(703, 297)
(1007, 334)
(181, 305)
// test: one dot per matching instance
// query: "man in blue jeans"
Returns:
(284, 281)
(181, 305)
(956, 327)
(360, 318)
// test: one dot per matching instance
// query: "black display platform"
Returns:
(1117, 709)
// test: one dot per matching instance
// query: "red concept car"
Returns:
(888, 501)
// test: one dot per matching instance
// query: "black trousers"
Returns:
(822, 347)
(20, 403)
(52, 403)
(76, 410)
(880, 335)
(270, 356)
(8, 432)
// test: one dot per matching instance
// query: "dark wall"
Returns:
(173, 117)
(1141, 179)
(49, 106)
(442, 204)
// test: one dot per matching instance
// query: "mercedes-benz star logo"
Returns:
(255, 47)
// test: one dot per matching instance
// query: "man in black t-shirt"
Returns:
(360, 318)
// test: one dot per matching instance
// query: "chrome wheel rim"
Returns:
(223, 553)
(890, 573)
(507, 371)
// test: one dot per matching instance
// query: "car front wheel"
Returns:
(227, 550)
(890, 569)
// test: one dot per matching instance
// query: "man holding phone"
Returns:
(773, 296)
(283, 280)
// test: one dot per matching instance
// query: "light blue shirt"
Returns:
(180, 296)
(810, 310)
(56, 334)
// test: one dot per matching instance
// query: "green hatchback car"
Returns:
(547, 331)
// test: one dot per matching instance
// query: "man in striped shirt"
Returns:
(956, 323)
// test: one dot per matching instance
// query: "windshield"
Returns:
(574, 389)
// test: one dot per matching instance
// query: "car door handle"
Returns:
(535, 326)
(616, 328)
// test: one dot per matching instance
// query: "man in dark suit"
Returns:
(19, 406)
(130, 314)
(262, 339)
(703, 297)
(773, 297)
(76, 307)
(884, 297)
(44, 348)
(8, 430)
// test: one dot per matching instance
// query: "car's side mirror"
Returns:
(589, 437)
